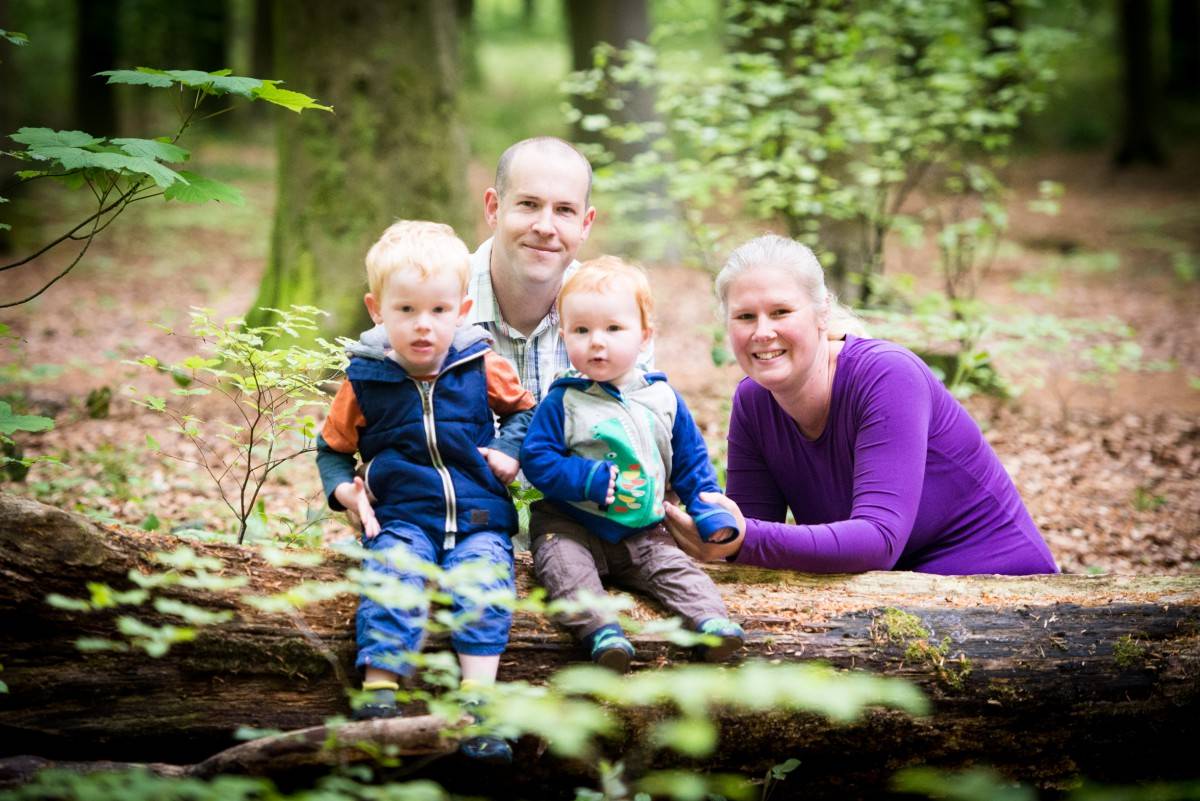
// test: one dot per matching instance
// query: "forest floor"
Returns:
(1109, 471)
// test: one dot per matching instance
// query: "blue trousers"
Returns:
(391, 617)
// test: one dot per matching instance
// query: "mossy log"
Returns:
(1046, 677)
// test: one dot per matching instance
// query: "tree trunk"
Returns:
(1045, 677)
(617, 22)
(95, 50)
(1140, 135)
(1183, 63)
(391, 149)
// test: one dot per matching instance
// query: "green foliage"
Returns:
(270, 394)
(11, 423)
(14, 37)
(976, 784)
(123, 170)
(985, 784)
(823, 118)
(975, 346)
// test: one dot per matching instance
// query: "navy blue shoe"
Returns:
(376, 705)
(732, 639)
(488, 749)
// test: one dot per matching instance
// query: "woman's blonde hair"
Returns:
(788, 255)
(610, 274)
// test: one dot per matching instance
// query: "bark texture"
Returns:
(391, 150)
(1046, 677)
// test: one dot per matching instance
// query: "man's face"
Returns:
(543, 217)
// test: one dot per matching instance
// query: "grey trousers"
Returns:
(569, 559)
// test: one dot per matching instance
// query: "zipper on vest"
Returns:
(435, 457)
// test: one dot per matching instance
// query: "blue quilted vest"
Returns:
(420, 445)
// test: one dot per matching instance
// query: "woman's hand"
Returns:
(687, 536)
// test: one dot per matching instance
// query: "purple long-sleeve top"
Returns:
(901, 478)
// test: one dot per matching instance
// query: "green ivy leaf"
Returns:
(294, 101)
(152, 149)
(195, 615)
(199, 189)
(11, 423)
(47, 137)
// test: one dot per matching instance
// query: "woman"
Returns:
(881, 467)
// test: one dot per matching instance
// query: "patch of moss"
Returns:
(952, 671)
(1128, 652)
(896, 625)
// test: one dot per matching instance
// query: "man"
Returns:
(539, 215)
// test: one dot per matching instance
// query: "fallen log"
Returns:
(1046, 677)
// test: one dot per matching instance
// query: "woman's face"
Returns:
(775, 328)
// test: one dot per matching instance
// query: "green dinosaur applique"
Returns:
(636, 504)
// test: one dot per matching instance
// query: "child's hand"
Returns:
(357, 501)
(723, 536)
(611, 497)
(503, 466)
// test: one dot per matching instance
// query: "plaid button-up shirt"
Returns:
(540, 357)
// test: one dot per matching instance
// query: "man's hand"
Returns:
(687, 536)
(503, 466)
(358, 504)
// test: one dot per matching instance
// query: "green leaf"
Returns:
(11, 423)
(75, 158)
(294, 101)
(47, 137)
(694, 737)
(142, 76)
(216, 83)
(151, 523)
(68, 604)
(19, 39)
(199, 189)
(195, 615)
(152, 149)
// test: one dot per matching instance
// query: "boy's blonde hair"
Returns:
(610, 274)
(425, 247)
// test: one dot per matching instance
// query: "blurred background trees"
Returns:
(819, 119)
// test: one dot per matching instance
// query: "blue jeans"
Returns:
(387, 633)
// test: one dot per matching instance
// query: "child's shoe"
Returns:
(732, 639)
(379, 702)
(612, 649)
(486, 748)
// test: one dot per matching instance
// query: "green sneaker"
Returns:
(612, 649)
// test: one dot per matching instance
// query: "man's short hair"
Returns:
(548, 142)
(609, 274)
(427, 248)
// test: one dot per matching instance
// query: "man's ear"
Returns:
(373, 308)
(589, 217)
(491, 207)
(467, 303)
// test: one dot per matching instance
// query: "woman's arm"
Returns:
(891, 407)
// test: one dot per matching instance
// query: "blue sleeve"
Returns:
(335, 468)
(512, 433)
(692, 473)
(553, 469)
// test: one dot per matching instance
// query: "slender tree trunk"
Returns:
(391, 149)
(1183, 79)
(95, 50)
(1140, 136)
(616, 22)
